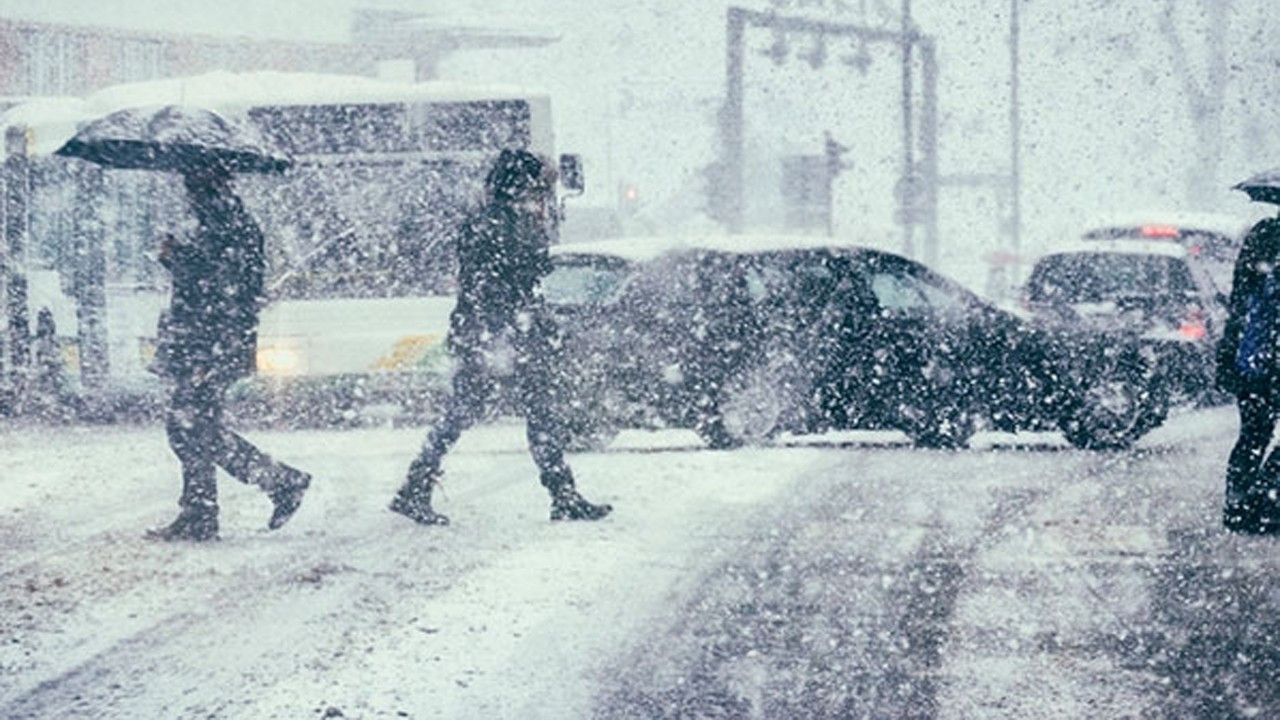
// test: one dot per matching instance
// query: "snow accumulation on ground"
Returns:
(350, 607)
(352, 611)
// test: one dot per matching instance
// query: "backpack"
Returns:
(1255, 356)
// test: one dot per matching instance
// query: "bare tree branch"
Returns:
(1180, 66)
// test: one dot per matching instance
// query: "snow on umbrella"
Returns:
(1263, 187)
(174, 138)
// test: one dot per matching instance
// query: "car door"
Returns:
(943, 323)
(584, 294)
(790, 291)
(898, 338)
(924, 385)
(997, 366)
(965, 341)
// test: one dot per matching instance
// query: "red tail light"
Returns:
(1160, 231)
(1192, 331)
(1193, 324)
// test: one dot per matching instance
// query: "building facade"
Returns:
(46, 59)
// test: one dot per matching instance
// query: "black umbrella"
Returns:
(1263, 187)
(174, 138)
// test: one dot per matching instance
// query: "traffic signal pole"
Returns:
(731, 120)
(918, 183)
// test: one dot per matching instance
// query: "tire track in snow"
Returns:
(839, 606)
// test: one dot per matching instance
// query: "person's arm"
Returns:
(179, 254)
(1245, 277)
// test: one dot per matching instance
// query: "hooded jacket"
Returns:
(211, 326)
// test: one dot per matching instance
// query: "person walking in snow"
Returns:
(208, 340)
(499, 320)
(1247, 367)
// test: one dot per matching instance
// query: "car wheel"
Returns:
(1118, 404)
(748, 410)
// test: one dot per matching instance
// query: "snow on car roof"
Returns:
(645, 248)
(1187, 220)
(1124, 247)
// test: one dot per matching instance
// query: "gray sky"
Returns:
(637, 82)
(326, 20)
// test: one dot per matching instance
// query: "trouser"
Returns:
(1249, 478)
(474, 385)
(202, 443)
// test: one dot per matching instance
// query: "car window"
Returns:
(1096, 277)
(583, 283)
(790, 278)
(765, 281)
(671, 280)
(896, 292)
(940, 295)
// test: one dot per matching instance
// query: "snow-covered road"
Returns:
(351, 611)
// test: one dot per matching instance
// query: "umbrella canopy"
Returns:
(174, 138)
(1263, 187)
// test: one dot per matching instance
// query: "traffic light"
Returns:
(628, 198)
(834, 153)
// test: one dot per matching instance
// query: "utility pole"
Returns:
(1015, 144)
(908, 138)
(731, 121)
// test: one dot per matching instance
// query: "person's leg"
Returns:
(1244, 465)
(1264, 491)
(283, 483)
(191, 425)
(471, 387)
(546, 431)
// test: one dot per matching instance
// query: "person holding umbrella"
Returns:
(1248, 367)
(210, 340)
(499, 319)
(208, 335)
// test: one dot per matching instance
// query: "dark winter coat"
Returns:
(210, 329)
(1259, 254)
(502, 256)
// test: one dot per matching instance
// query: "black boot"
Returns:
(1240, 518)
(567, 504)
(1258, 513)
(198, 520)
(286, 497)
(414, 502)
(195, 524)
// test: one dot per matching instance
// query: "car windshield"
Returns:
(581, 282)
(1097, 277)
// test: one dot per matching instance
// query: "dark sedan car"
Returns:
(741, 338)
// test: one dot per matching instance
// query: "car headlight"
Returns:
(281, 358)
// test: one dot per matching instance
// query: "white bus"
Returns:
(358, 230)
